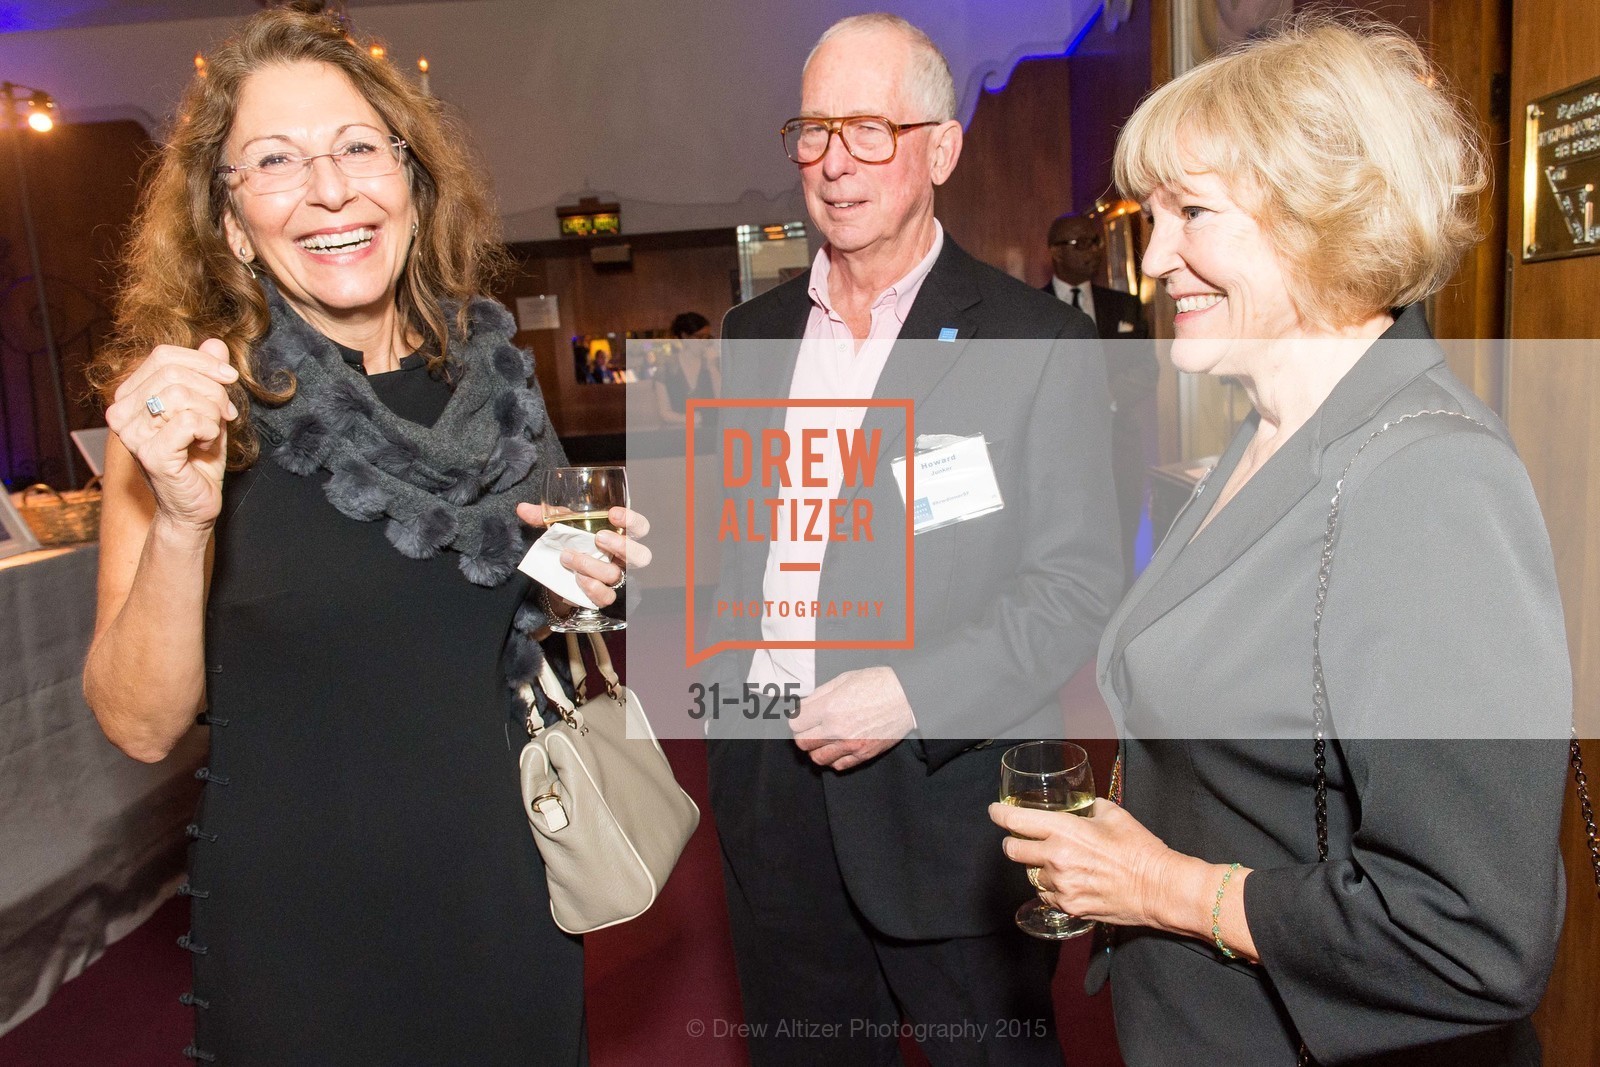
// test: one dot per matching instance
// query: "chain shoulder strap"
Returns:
(1319, 692)
(1319, 695)
(1585, 809)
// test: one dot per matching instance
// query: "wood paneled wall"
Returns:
(1470, 42)
(83, 188)
(689, 270)
(1015, 171)
(1041, 146)
(1110, 75)
(1554, 413)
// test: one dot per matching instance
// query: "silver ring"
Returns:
(156, 408)
(621, 581)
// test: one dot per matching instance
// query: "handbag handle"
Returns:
(602, 659)
(1319, 692)
(555, 695)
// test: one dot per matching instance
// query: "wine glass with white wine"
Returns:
(582, 497)
(1050, 776)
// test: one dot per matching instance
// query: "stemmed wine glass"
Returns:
(1050, 776)
(582, 497)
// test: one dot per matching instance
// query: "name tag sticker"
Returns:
(955, 481)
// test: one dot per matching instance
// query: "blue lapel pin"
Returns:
(947, 333)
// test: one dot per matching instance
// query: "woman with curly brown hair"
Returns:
(323, 444)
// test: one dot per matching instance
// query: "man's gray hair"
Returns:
(929, 87)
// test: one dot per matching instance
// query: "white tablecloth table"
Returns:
(91, 841)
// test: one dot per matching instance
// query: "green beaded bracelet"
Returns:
(1216, 913)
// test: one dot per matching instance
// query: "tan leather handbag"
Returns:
(609, 818)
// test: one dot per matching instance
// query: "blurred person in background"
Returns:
(1077, 258)
(689, 371)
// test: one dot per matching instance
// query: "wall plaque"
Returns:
(1561, 178)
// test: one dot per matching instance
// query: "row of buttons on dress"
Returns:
(195, 832)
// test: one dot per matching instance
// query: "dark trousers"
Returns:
(821, 986)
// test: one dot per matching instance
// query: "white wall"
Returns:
(673, 109)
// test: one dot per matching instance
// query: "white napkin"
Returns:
(543, 562)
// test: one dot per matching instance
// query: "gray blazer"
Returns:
(1006, 606)
(1432, 928)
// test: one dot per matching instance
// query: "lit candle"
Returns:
(422, 74)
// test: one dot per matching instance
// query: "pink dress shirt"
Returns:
(833, 366)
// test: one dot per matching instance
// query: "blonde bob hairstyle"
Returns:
(182, 283)
(1336, 134)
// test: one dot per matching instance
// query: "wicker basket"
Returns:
(62, 518)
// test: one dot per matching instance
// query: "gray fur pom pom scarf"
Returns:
(455, 484)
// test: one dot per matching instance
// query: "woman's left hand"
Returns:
(600, 579)
(1108, 867)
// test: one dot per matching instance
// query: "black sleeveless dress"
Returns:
(365, 887)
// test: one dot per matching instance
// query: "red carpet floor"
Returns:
(659, 988)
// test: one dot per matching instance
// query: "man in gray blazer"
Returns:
(865, 881)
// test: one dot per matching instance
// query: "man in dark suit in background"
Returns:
(865, 882)
(1077, 256)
